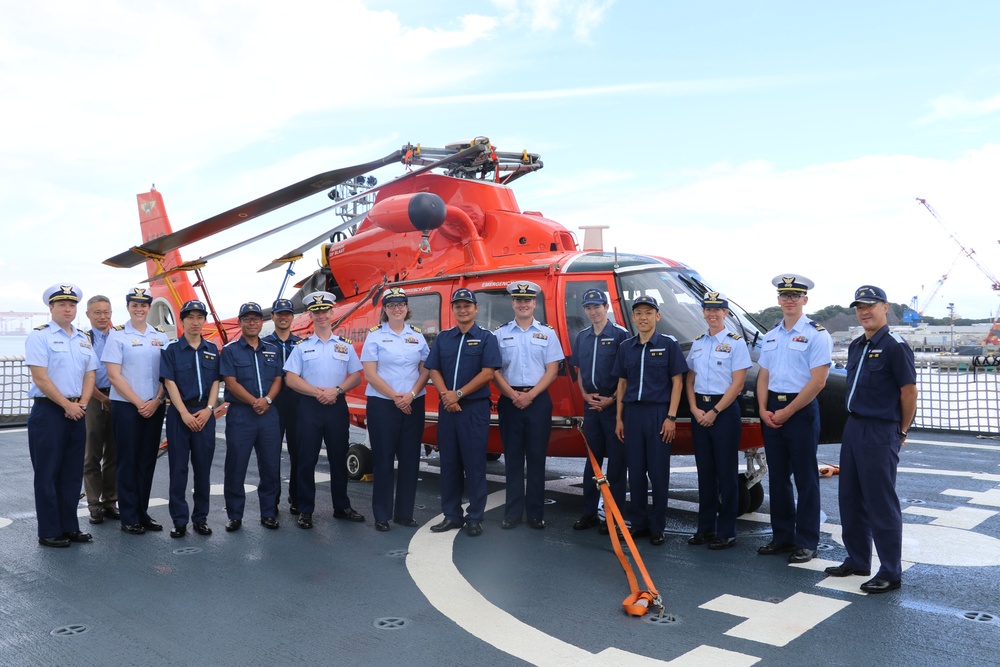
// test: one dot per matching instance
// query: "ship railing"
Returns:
(15, 379)
(955, 392)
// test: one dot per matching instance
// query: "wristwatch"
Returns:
(268, 399)
(715, 410)
(672, 418)
(339, 390)
(211, 407)
(459, 394)
(902, 434)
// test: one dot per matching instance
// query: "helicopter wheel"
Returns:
(744, 501)
(359, 462)
(756, 494)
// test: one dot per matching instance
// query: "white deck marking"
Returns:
(963, 445)
(5, 522)
(979, 476)
(965, 518)
(776, 624)
(990, 498)
(430, 562)
(939, 545)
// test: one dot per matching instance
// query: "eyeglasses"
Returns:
(251, 318)
(395, 306)
(790, 297)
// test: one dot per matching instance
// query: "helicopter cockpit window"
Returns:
(426, 310)
(680, 309)
(495, 309)
(576, 319)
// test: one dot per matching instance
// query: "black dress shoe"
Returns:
(269, 522)
(603, 528)
(656, 539)
(474, 528)
(293, 509)
(112, 513)
(201, 528)
(152, 526)
(133, 528)
(55, 542)
(720, 543)
(179, 530)
(78, 537)
(845, 571)
(699, 539)
(587, 521)
(878, 585)
(305, 521)
(639, 532)
(234, 525)
(406, 523)
(802, 556)
(537, 524)
(772, 548)
(96, 516)
(510, 523)
(445, 526)
(382, 526)
(348, 515)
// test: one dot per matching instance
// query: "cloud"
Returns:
(550, 15)
(956, 107)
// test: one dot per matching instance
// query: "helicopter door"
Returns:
(576, 319)
(425, 311)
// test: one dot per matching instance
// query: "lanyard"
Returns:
(454, 380)
(256, 367)
(197, 367)
(642, 369)
(854, 385)
(593, 365)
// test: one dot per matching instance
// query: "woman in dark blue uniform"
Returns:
(63, 367)
(717, 369)
(649, 366)
(190, 371)
(393, 359)
(132, 359)
(252, 369)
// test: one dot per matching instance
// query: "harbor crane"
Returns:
(993, 337)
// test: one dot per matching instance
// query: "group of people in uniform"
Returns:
(101, 401)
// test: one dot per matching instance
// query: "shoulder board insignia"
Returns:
(160, 329)
(298, 341)
(671, 337)
(119, 327)
(549, 326)
(348, 341)
(618, 326)
(417, 329)
(43, 326)
(735, 336)
(499, 326)
(232, 342)
(375, 328)
(700, 337)
(896, 337)
(817, 326)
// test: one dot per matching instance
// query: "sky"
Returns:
(743, 139)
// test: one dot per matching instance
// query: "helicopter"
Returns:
(451, 220)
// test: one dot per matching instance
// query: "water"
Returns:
(11, 346)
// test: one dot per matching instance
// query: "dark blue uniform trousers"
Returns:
(791, 451)
(318, 423)
(138, 440)
(599, 430)
(247, 432)
(287, 403)
(394, 436)
(56, 446)
(647, 454)
(462, 440)
(869, 506)
(716, 453)
(184, 445)
(525, 436)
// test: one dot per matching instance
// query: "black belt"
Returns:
(194, 405)
(104, 390)
(75, 399)
(522, 388)
(710, 398)
(782, 398)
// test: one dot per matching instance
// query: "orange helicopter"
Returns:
(449, 221)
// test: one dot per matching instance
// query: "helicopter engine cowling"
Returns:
(420, 211)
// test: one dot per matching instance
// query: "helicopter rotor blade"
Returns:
(223, 221)
(297, 252)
